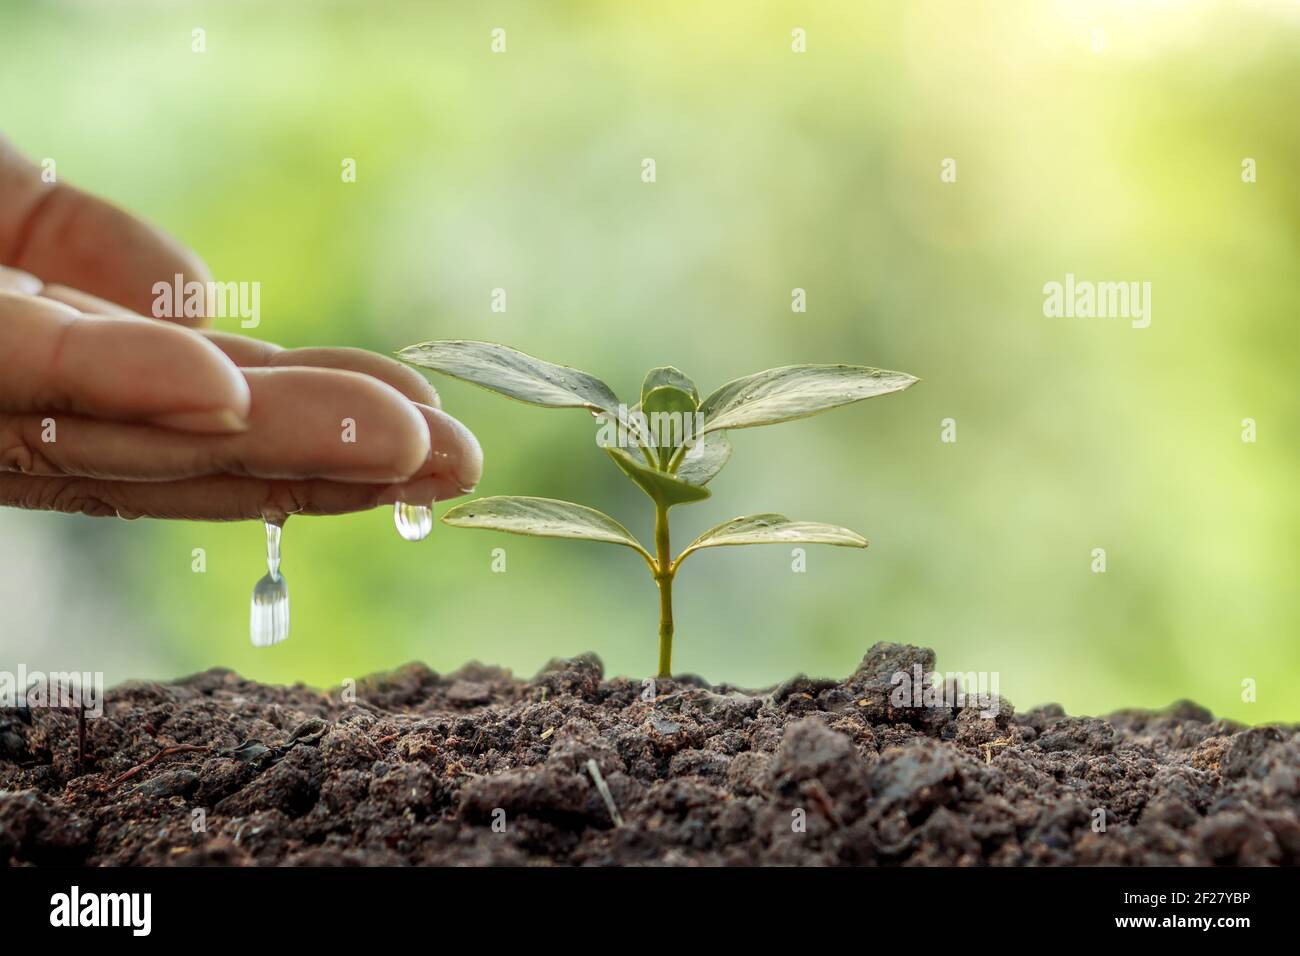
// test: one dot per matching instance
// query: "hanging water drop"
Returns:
(414, 522)
(269, 619)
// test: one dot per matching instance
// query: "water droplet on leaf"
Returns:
(414, 522)
(269, 617)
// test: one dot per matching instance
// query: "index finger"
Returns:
(254, 353)
(52, 358)
(65, 236)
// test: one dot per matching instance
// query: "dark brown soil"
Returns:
(420, 767)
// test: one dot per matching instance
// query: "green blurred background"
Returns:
(776, 170)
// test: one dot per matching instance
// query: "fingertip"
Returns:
(432, 399)
(413, 455)
(430, 392)
(229, 385)
(455, 452)
(194, 387)
(219, 393)
(409, 382)
(332, 424)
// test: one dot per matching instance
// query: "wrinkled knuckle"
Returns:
(74, 497)
(23, 452)
(14, 453)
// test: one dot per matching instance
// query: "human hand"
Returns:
(105, 412)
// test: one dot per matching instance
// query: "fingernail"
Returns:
(213, 421)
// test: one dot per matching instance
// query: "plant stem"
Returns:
(664, 578)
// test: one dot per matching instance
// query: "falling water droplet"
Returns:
(269, 619)
(414, 522)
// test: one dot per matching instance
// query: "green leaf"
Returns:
(704, 458)
(663, 488)
(667, 375)
(795, 391)
(543, 518)
(772, 529)
(668, 399)
(671, 419)
(513, 374)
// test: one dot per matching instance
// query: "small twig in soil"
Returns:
(988, 747)
(458, 769)
(605, 795)
(165, 752)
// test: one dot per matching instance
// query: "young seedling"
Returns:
(671, 444)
